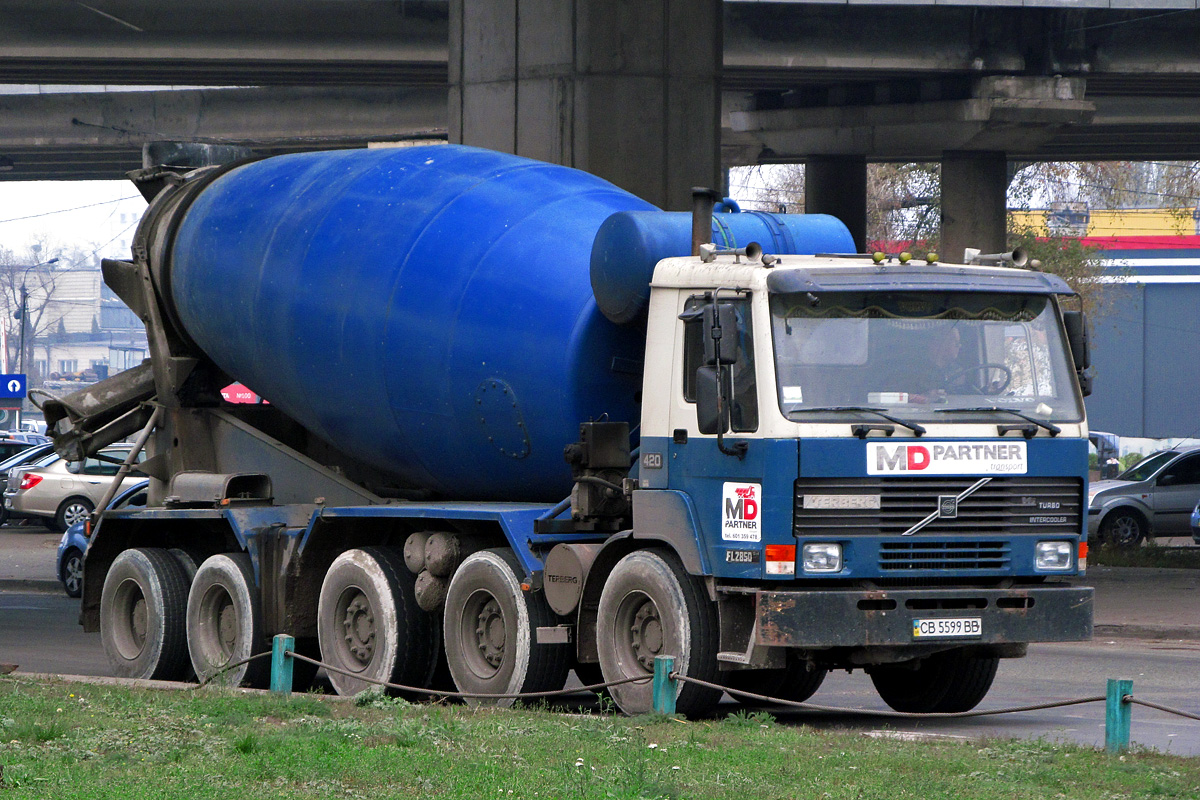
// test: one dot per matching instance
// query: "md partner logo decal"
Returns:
(741, 512)
(948, 458)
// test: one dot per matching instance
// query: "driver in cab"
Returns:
(939, 371)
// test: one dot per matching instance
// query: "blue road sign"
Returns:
(12, 386)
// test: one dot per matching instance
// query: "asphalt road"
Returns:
(39, 632)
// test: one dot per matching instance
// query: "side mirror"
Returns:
(1076, 324)
(720, 334)
(74, 467)
(709, 403)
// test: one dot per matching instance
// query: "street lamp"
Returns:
(21, 312)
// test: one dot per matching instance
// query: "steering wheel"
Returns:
(988, 387)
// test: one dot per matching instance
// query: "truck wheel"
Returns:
(369, 624)
(1122, 529)
(70, 511)
(224, 621)
(143, 608)
(490, 631)
(794, 682)
(650, 606)
(942, 683)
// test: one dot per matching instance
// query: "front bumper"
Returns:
(884, 617)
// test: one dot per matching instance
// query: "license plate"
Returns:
(947, 626)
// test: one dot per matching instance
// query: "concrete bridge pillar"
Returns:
(974, 203)
(623, 89)
(837, 185)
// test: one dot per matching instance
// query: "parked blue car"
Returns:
(73, 545)
(1196, 524)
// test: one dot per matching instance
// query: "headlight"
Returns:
(822, 557)
(1053, 555)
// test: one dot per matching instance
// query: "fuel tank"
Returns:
(427, 310)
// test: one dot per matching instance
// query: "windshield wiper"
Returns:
(1025, 429)
(862, 431)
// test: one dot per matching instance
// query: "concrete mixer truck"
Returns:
(518, 421)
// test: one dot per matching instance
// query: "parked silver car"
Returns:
(65, 492)
(1155, 497)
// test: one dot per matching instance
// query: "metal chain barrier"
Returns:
(229, 667)
(890, 714)
(1134, 701)
(476, 695)
(666, 680)
(421, 690)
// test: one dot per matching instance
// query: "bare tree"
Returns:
(902, 200)
(904, 208)
(27, 284)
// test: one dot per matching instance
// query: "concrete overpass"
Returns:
(801, 80)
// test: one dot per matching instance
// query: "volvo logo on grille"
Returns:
(947, 506)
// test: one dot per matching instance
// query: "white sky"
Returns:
(33, 210)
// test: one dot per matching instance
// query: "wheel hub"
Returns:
(1125, 530)
(358, 628)
(75, 513)
(646, 635)
(137, 621)
(489, 633)
(74, 573)
(227, 629)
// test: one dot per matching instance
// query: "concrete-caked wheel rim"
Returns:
(483, 630)
(220, 629)
(356, 629)
(640, 635)
(129, 637)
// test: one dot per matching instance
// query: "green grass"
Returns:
(64, 740)
(1149, 554)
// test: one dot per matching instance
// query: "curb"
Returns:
(1145, 632)
(31, 585)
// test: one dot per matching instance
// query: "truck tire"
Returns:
(651, 606)
(224, 622)
(490, 630)
(369, 624)
(946, 682)
(793, 682)
(143, 609)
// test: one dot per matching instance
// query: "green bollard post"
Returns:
(1117, 716)
(665, 688)
(281, 665)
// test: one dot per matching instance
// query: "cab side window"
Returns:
(744, 391)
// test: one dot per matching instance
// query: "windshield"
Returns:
(1142, 470)
(915, 353)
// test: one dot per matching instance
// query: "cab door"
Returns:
(741, 486)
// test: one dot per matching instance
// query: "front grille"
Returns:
(927, 554)
(1003, 506)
